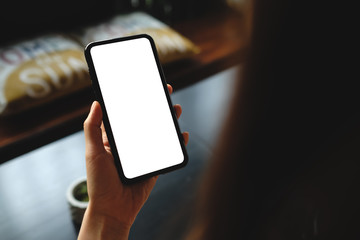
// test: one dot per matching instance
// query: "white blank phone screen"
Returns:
(137, 108)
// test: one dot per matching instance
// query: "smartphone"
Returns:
(139, 119)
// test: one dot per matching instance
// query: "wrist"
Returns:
(99, 226)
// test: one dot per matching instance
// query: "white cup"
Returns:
(77, 207)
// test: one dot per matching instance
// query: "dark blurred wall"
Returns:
(22, 19)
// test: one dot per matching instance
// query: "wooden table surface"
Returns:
(220, 37)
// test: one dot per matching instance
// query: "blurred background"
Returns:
(42, 148)
(22, 18)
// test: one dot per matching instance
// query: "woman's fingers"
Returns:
(186, 137)
(178, 110)
(177, 107)
(170, 89)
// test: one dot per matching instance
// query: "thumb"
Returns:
(92, 129)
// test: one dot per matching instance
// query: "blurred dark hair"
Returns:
(287, 165)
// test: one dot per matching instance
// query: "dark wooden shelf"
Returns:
(220, 36)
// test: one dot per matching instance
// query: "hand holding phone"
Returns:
(126, 76)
